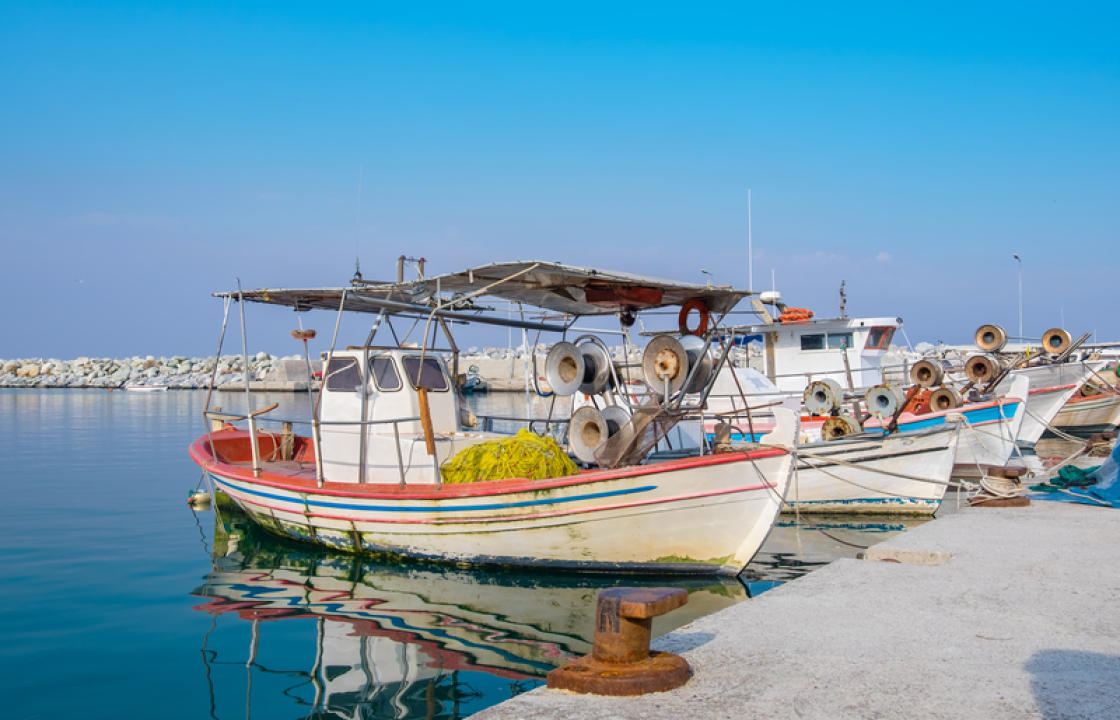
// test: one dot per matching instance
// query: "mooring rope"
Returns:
(796, 450)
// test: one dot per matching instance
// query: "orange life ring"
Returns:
(686, 310)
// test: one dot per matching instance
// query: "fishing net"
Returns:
(524, 455)
(1068, 476)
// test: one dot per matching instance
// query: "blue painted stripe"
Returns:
(431, 508)
(981, 415)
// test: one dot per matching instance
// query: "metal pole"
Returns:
(248, 395)
(315, 421)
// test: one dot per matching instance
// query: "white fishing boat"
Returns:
(1052, 386)
(1085, 415)
(901, 473)
(368, 478)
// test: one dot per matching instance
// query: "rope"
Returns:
(871, 489)
(1051, 428)
(795, 450)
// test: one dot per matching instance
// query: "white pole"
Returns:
(750, 246)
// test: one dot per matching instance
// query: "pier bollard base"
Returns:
(659, 672)
(1017, 501)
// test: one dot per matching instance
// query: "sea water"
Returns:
(119, 600)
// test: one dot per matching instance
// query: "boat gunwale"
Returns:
(204, 456)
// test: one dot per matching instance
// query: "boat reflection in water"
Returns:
(400, 640)
(381, 638)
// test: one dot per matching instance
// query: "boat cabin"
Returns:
(381, 389)
(796, 353)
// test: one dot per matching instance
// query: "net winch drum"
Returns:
(840, 426)
(1089, 389)
(697, 358)
(990, 338)
(596, 368)
(980, 368)
(1055, 341)
(589, 428)
(945, 398)
(927, 373)
(616, 416)
(564, 368)
(821, 397)
(665, 359)
(883, 401)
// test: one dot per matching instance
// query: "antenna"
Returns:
(358, 216)
(750, 246)
(843, 301)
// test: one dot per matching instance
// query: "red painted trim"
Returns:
(1057, 388)
(506, 518)
(1100, 396)
(201, 455)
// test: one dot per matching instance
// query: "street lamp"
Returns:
(1020, 261)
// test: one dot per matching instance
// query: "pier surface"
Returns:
(985, 613)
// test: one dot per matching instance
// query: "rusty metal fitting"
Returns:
(621, 662)
(1015, 501)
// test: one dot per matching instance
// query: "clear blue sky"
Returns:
(151, 152)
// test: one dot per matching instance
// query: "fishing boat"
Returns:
(1084, 415)
(368, 478)
(904, 473)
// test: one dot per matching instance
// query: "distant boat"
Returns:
(146, 388)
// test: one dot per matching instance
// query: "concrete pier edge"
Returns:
(985, 613)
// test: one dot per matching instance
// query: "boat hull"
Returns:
(903, 473)
(1052, 386)
(693, 515)
(1084, 416)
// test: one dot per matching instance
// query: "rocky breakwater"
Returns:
(177, 372)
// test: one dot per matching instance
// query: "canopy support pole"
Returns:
(315, 426)
(248, 393)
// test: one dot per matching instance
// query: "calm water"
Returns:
(122, 602)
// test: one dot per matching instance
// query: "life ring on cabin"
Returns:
(686, 310)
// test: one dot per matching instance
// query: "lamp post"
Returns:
(1020, 261)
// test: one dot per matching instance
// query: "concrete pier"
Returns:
(986, 613)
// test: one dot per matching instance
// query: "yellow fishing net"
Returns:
(525, 455)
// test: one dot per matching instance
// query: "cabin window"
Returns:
(879, 338)
(812, 342)
(343, 374)
(429, 376)
(839, 340)
(384, 373)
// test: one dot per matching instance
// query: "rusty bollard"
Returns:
(621, 662)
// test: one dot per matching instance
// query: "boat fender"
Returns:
(686, 310)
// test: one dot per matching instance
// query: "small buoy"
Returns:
(198, 497)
